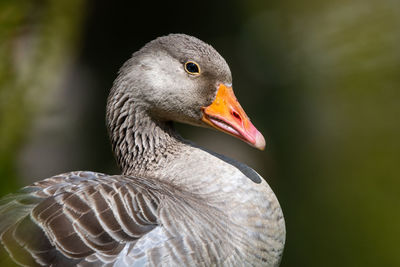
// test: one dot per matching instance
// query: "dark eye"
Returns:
(192, 68)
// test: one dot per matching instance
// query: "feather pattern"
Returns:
(75, 215)
(174, 204)
(91, 219)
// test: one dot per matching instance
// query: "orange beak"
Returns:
(226, 115)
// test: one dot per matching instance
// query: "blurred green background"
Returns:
(321, 79)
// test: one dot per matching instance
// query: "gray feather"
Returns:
(173, 205)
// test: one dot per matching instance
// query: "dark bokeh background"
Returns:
(321, 79)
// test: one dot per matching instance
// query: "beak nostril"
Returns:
(236, 115)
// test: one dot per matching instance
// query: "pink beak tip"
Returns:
(260, 141)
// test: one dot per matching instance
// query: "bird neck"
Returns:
(141, 144)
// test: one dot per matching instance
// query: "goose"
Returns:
(174, 204)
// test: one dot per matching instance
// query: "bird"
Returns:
(174, 203)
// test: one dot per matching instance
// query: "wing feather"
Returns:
(77, 217)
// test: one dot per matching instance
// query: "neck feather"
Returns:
(140, 143)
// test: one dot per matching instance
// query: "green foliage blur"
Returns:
(35, 40)
(320, 78)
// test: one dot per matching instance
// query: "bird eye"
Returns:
(192, 68)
